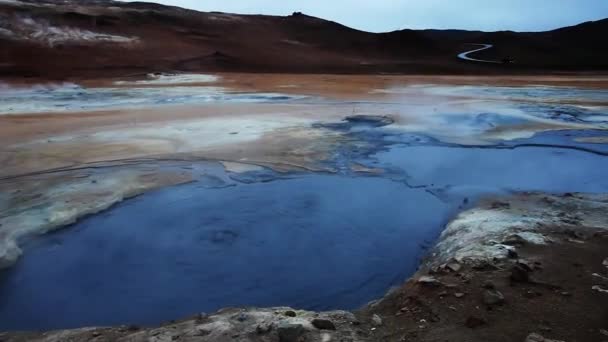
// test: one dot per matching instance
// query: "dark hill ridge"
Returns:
(58, 39)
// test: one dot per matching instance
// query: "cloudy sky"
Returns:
(388, 15)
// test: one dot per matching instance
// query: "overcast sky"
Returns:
(389, 15)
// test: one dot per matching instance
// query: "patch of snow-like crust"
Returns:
(41, 31)
(70, 97)
(481, 233)
(158, 79)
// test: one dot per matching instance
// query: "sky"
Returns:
(389, 15)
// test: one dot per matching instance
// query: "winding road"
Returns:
(465, 55)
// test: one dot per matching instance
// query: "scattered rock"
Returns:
(376, 320)
(96, 334)
(454, 266)
(538, 338)
(475, 322)
(605, 263)
(488, 284)
(484, 265)
(599, 276)
(566, 294)
(264, 328)
(242, 317)
(500, 205)
(532, 294)
(291, 332)
(323, 324)
(514, 240)
(520, 273)
(493, 297)
(459, 294)
(429, 281)
(604, 332)
(599, 289)
(290, 313)
(443, 293)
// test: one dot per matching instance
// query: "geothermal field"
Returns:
(213, 203)
(199, 192)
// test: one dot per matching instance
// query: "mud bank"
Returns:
(555, 271)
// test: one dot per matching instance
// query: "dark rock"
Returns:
(291, 333)
(500, 205)
(488, 284)
(263, 328)
(520, 274)
(290, 313)
(475, 322)
(242, 317)
(323, 324)
(514, 240)
(511, 254)
(484, 265)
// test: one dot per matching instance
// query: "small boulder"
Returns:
(454, 266)
(493, 297)
(323, 324)
(263, 328)
(428, 281)
(291, 332)
(520, 273)
(488, 284)
(290, 313)
(459, 294)
(376, 320)
(475, 322)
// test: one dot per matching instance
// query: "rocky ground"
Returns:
(541, 276)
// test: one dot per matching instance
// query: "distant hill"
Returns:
(100, 38)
